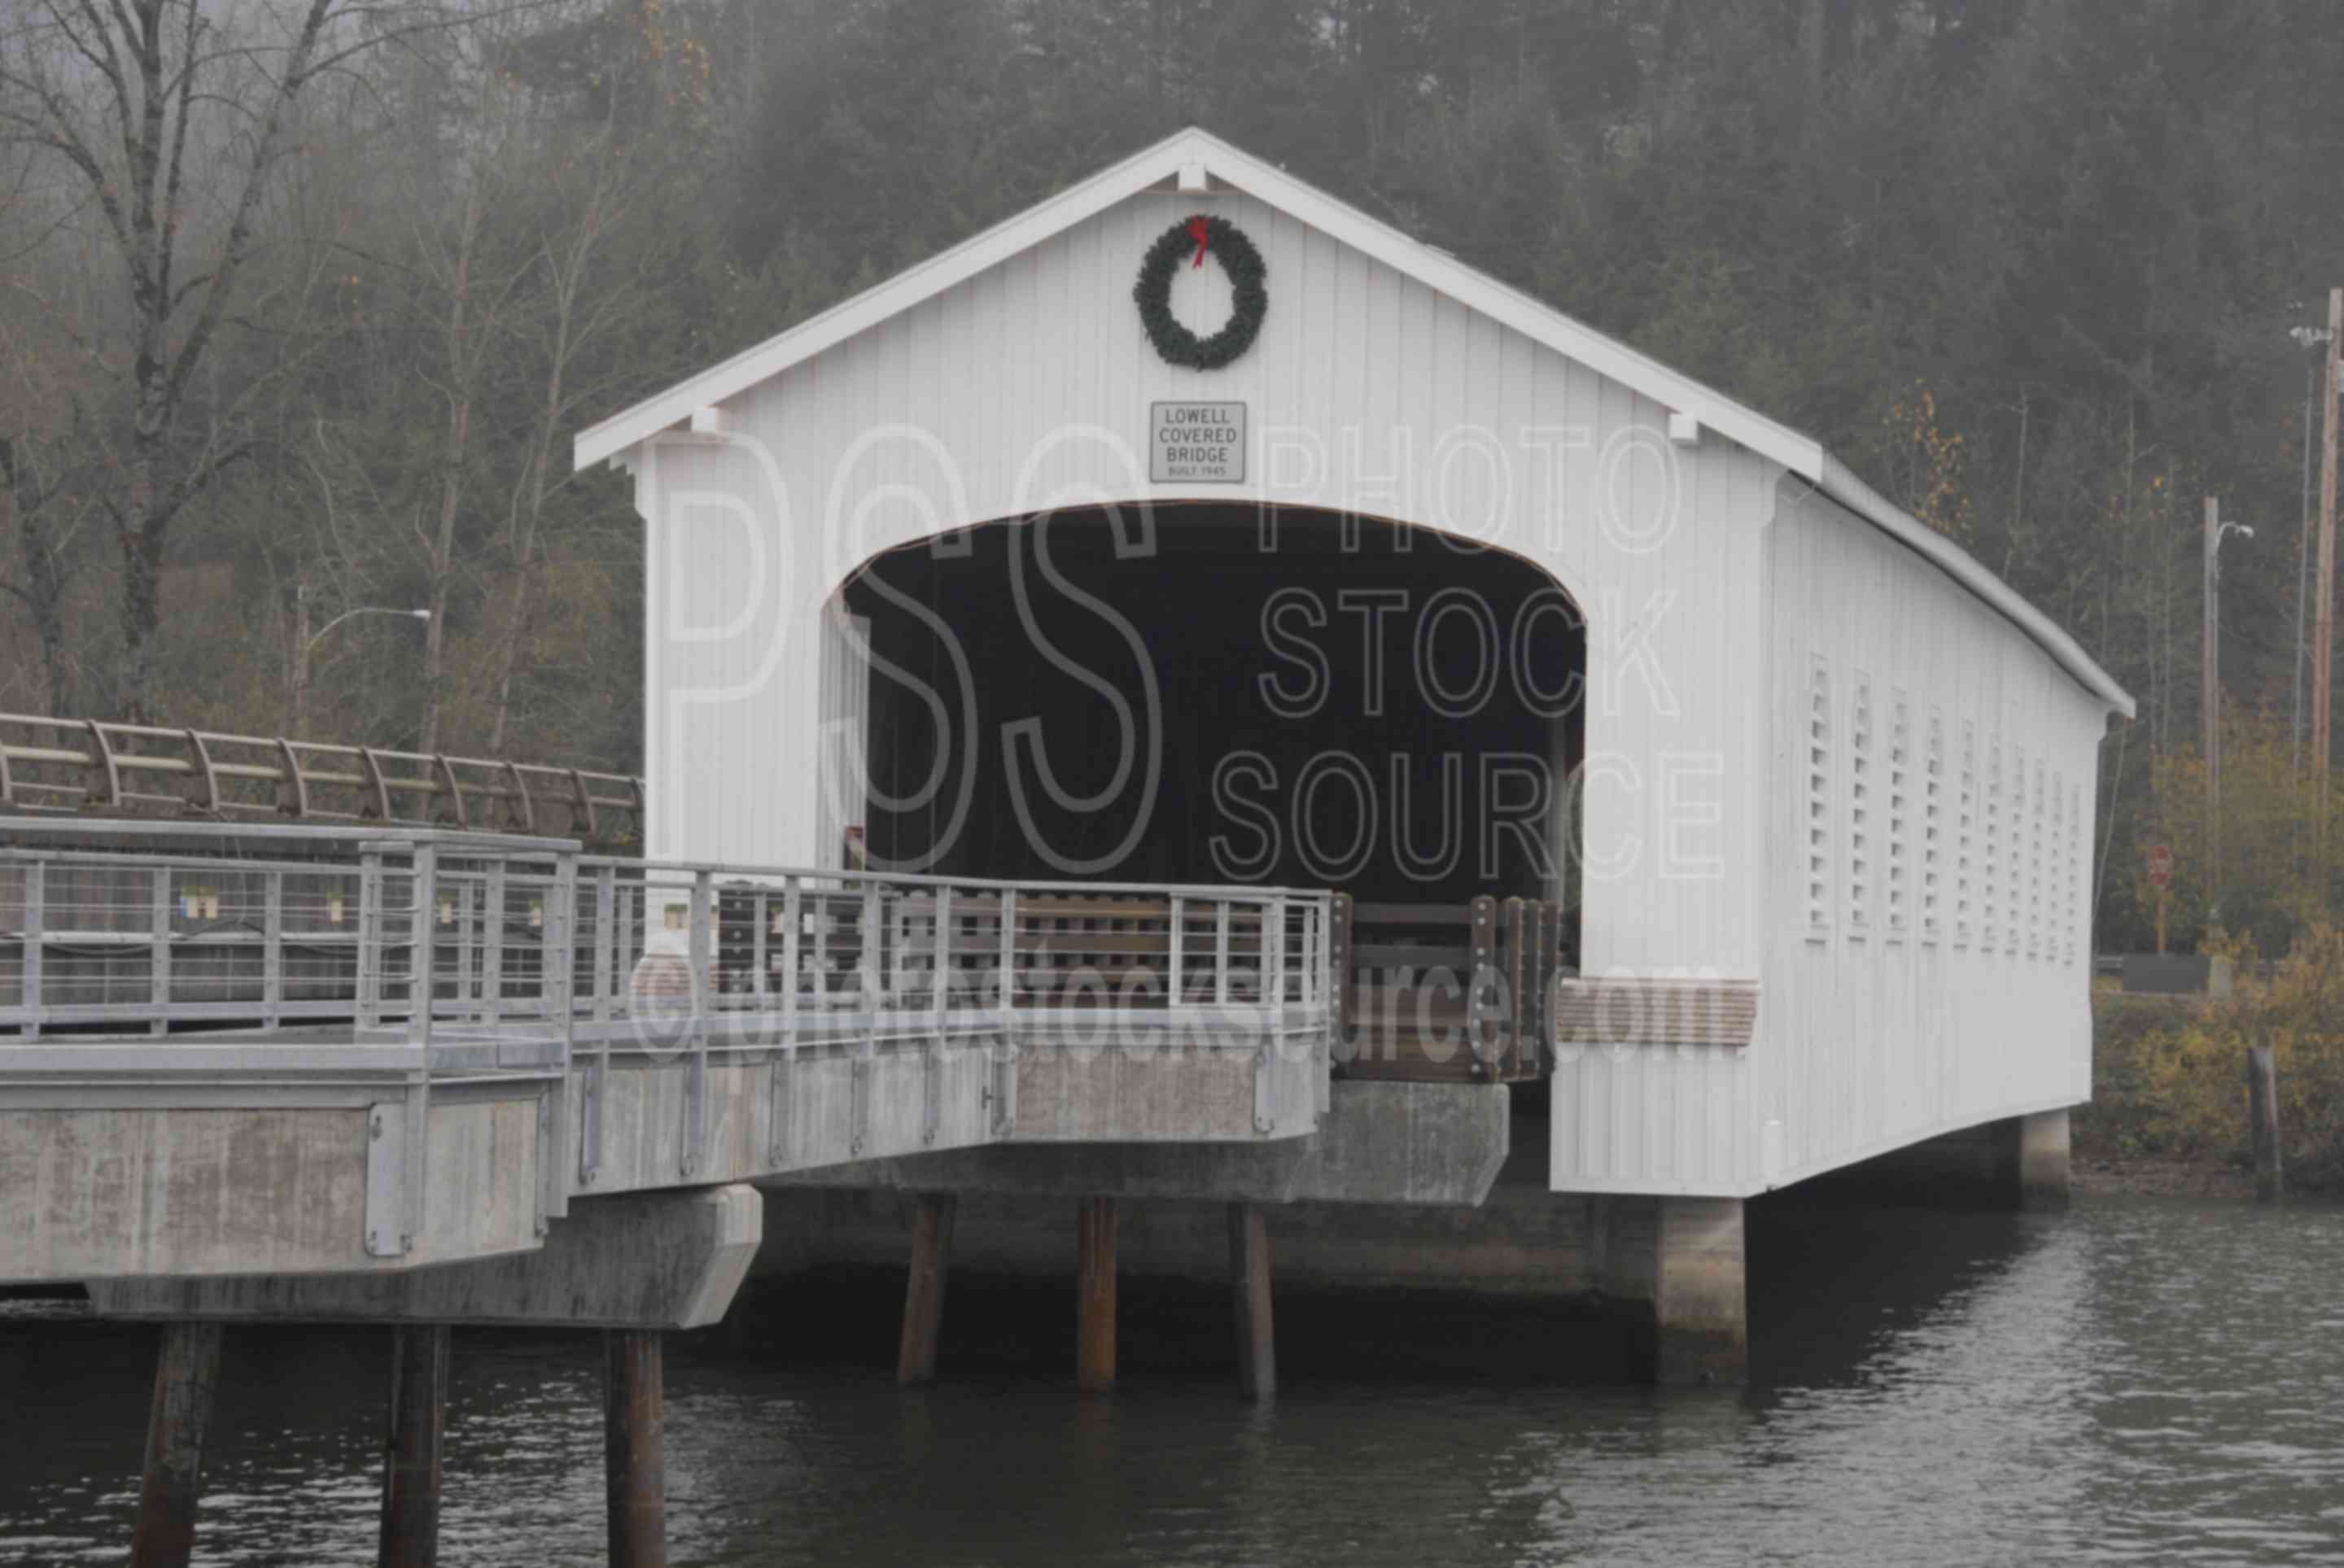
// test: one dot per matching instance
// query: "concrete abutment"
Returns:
(1666, 1273)
(2019, 1163)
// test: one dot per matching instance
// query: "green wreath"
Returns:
(1153, 291)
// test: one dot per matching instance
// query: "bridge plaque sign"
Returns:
(1197, 443)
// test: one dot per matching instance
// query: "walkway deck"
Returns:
(271, 1049)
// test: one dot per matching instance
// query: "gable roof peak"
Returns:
(1182, 153)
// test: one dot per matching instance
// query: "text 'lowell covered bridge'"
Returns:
(1193, 700)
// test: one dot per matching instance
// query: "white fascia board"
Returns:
(1167, 163)
(1176, 162)
(907, 288)
(1540, 322)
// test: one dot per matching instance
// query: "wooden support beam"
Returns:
(1095, 1296)
(634, 1447)
(187, 1371)
(924, 1290)
(410, 1457)
(1249, 1289)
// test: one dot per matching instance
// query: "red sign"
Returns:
(2160, 866)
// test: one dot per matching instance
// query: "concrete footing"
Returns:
(1698, 1294)
(2018, 1163)
(2037, 1156)
(1667, 1271)
(187, 1371)
(410, 1536)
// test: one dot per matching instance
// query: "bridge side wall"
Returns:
(1928, 919)
(135, 1188)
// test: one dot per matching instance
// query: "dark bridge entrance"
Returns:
(1333, 703)
(1345, 704)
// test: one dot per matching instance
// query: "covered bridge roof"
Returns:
(1190, 156)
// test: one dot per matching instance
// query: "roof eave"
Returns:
(1839, 483)
(1183, 152)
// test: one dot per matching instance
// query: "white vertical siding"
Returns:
(845, 713)
(1869, 1038)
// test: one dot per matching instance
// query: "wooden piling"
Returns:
(634, 1447)
(411, 1466)
(1249, 1289)
(924, 1290)
(1095, 1296)
(2262, 1115)
(187, 1371)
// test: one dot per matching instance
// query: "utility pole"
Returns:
(2323, 640)
(2209, 701)
(2302, 586)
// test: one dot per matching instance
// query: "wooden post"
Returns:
(1095, 1296)
(187, 1371)
(2323, 640)
(1338, 967)
(2262, 1111)
(1250, 1287)
(411, 1464)
(634, 1447)
(924, 1290)
(2160, 921)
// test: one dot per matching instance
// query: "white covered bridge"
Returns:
(1475, 602)
(1668, 819)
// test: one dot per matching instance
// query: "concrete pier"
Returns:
(2018, 1163)
(923, 1287)
(1669, 1272)
(411, 1468)
(1699, 1295)
(187, 1371)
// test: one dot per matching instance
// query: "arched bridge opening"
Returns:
(1207, 694)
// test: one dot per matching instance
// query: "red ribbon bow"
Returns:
(1200, 230)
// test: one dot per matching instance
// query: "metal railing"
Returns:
(78, 764)
(529, 947)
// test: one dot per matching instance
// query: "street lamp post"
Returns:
(2216, 530)
(2307, 338)
(303, 639)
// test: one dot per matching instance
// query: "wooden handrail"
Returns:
(80, 763)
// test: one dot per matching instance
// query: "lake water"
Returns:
(2143, 1378)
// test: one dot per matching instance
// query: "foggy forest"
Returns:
(304, 302)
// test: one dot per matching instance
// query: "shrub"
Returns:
(2169, 1078)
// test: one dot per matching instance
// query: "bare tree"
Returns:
(35, 486)
(148, 108)
(579, 302)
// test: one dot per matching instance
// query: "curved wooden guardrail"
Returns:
(76, 764)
